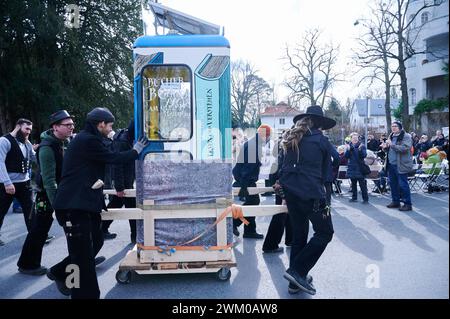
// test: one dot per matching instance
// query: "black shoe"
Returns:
(236, 232)
(253, 235)
(294, 278)
(293, 289)
(108, 235)
(273, 251)
(2, 243)
(60, 284)
(98, 260)
(352, 200)
(33, 272)
(393, 205)
(365, 202)
(405, 208)
(49, 239)
(17, 211)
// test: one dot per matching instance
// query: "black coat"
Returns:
(83, 164)
(246, 170)
(123, 173)
(305, 177)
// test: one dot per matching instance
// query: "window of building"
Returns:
(412, 93)
(424, 17)
(282, 121)
(167, 102)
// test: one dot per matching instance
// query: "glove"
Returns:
(140, 144)
(243, 193)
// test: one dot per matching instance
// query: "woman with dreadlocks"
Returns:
(304, 168)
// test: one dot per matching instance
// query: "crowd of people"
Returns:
(69, 182)
(74, 168)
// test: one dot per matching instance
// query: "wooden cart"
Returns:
(219, 260)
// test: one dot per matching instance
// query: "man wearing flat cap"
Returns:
(79, 201)
(49, 156)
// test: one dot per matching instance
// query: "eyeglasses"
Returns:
(68, 125)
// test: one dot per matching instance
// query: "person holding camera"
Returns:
(356, 152)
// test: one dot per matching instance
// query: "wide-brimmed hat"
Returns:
(316, 112)
(59, 116)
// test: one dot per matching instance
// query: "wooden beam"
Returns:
(122, 213)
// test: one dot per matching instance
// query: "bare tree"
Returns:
(374, 49)
(401, 19)
(248, 93)
(312, 65)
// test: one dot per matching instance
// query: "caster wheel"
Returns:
(224, 274)
(123, 276)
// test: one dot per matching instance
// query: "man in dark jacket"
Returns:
(123, 176)
(246, 173)
(79, 201)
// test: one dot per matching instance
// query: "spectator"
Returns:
(439, 139)
(372, 143)
(356, 152)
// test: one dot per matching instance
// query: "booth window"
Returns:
(167, 102)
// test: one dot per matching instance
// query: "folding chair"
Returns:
(413, 177)
(341, 176)
(375, 176)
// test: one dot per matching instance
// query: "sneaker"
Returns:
(273, 251)
(405, 208)
(49, 239)
(236, 232)
(98, 260)
(293, 289)
(34, 272)
(294, 278)
(253, 235)
(108, 235)
(393, 205)
(60, 284)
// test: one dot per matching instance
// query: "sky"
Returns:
(259, 30)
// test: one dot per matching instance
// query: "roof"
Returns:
(198, 40)
(376, 106)
(281, 109)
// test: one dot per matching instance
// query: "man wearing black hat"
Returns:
(79, 201)
(302, 175)
(398, 164)
(49, 156)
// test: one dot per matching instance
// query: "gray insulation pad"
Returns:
(173, 232)
(171, 183)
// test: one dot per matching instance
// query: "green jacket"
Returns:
(47, 164)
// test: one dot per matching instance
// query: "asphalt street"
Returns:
(376, 252)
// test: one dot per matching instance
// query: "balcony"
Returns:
(433, 68)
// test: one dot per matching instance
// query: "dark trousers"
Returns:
(119, 202)
(31, 255)
(328, 191)
(363, 185)
(84, 240)
(24, 195)
(251, 227)
(304, 256)
(278, 225)
(399, 185)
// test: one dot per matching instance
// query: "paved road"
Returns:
(375, 253)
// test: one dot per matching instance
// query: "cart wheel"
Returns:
(224, 274)
(123, 276)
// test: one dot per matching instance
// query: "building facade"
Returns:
(424, 71)
(376, 114)
(279, 117)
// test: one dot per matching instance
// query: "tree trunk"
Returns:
(387, 101)
(403, 80)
